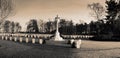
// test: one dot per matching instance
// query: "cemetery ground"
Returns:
(89, 49)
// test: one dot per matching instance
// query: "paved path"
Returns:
(89, 49)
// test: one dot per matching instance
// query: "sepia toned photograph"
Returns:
(59, 28)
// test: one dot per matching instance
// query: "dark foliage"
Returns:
(109, 27)
(32, 26)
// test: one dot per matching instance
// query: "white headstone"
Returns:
(6, 38)
(40, 41)
(70, 41)
(33, 40)
(10, 38)
(2, 37)
(77, 43)
(15, 39)
(27, 40)
(21, 39)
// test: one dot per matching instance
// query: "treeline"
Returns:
(65, 27)
(111, 24)
(10, 27)
(108, 28)
(106, 24)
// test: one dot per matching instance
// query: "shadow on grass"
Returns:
(46, 45)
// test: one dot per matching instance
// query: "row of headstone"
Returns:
(47, 35)
(26, 35)
(23, 39)
(34, 39)
(78, 36)
(75, 43)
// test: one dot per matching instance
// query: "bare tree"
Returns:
(6, 8)
(97, 10)
(17, 27)
(41, 25)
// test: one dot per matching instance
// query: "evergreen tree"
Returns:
(113, 14)
(111, 10)
(32, 26)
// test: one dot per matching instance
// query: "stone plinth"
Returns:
(57, 37)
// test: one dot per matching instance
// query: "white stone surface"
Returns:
(57, 34)
(21, 39)
(6, 38)
(15, 39)
(10, 38)
(71, 41)
(33, 40)
(57, 37)
(2, 37)
(77, 43)
(28, 35)
(27, 40)
(40, 41)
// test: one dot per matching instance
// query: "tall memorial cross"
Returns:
(57, 36)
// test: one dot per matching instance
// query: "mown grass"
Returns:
(89, 49)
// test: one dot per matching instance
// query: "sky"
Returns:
(75, 10)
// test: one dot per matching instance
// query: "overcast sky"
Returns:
(75, 10)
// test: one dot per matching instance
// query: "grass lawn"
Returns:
(89, 49)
